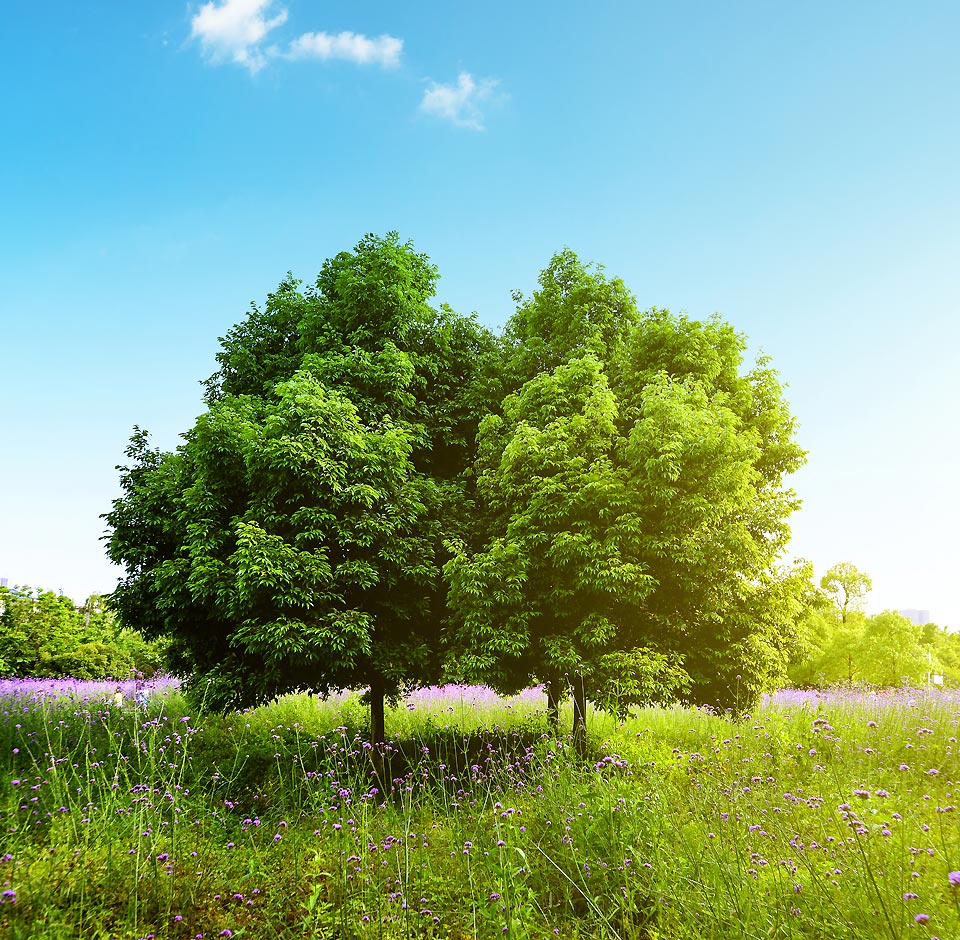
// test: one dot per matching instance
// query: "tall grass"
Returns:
(813, 817)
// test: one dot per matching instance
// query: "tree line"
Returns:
(839, 643)
(382, 492)
(45, 634)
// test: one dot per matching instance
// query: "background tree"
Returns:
(847, 586)
(36, 629)
(295, 538)
(832, 628)
(841, 657)
(892, 653)
(46, 634)
(633, 498)
(816, 623)
(842, 644)
(942, 647)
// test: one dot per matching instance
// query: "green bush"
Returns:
(43, 634)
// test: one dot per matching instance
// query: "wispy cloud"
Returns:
(351, 47)
(460, 103)
(233, 30)
(242, 32)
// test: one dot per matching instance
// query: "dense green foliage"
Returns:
(46, 634)
(633, 482)
(380, 489)
(817, 816)
(295, 538)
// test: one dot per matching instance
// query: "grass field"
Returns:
(828, 815)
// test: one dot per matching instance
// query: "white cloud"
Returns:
(458, 103)
(352, 47)
(233, 30)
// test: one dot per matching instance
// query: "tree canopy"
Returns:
(847, 586)
(380, 487)
(295, 538)
(632, 485)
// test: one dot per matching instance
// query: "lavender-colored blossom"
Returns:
(84, 690)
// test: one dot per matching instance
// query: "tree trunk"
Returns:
(579, 716)
(377, 726)
(553, 703)
(377, 722)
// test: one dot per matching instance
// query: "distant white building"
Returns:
(919, 617)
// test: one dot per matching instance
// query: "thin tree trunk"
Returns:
(377, 718)
(377, 725)
(579, 716)
(553, 703)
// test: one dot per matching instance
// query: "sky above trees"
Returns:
(792, 168)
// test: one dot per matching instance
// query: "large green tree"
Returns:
(552, 590)
(634, 501)
(295, 538)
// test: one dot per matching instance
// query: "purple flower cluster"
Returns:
(786, 808)
(84, 690)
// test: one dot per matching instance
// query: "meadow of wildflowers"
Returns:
(820, 815)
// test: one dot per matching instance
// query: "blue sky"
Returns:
(792, 167)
